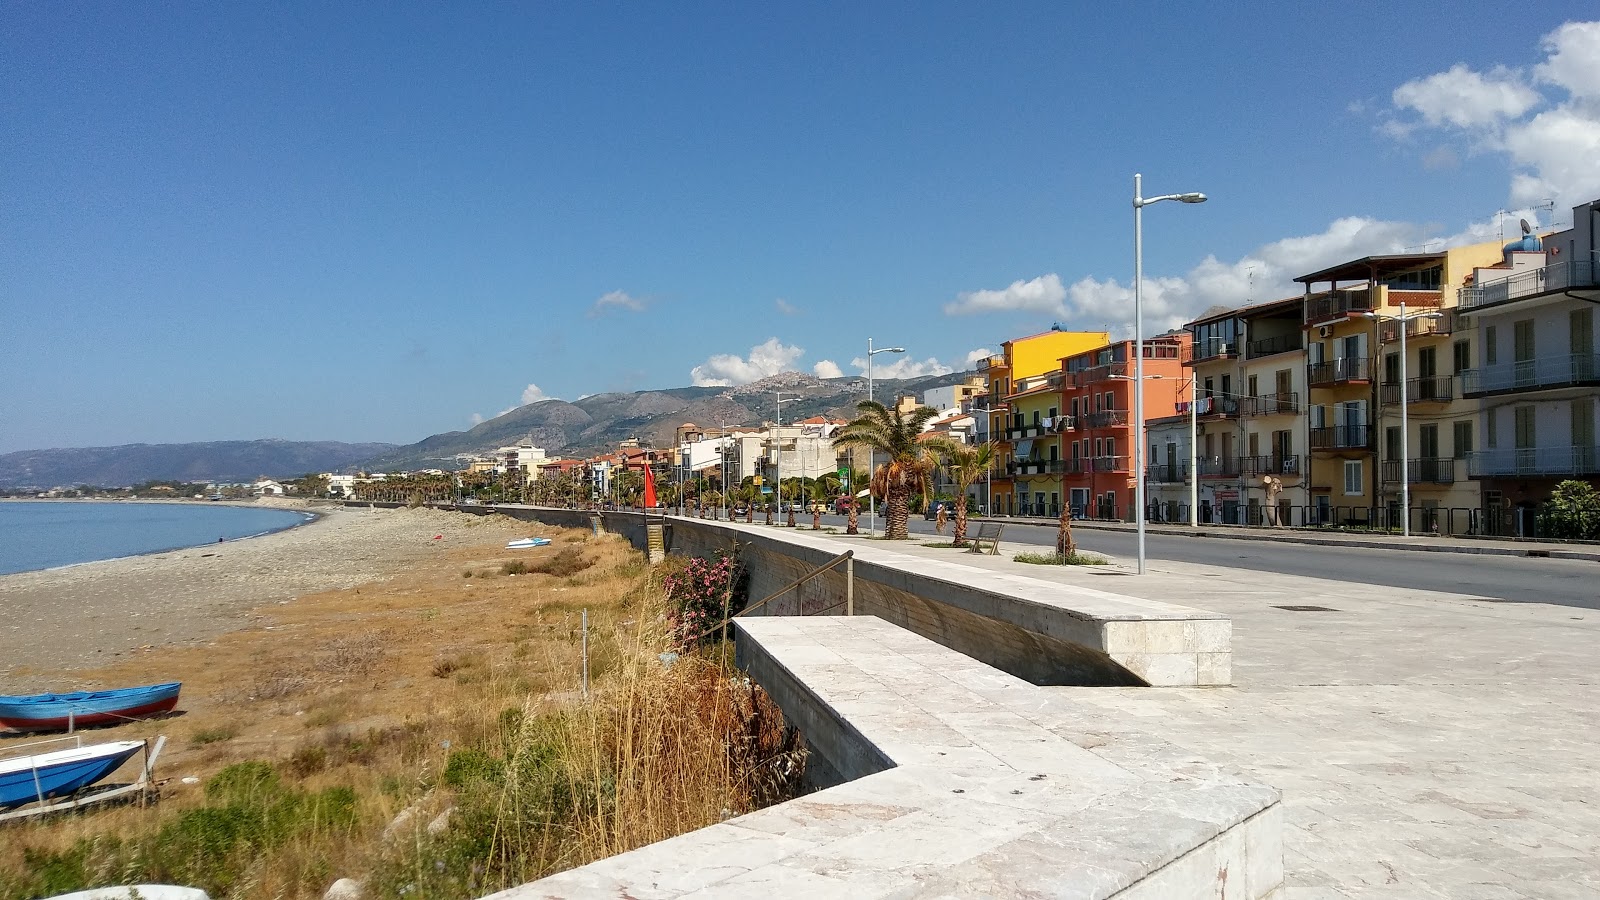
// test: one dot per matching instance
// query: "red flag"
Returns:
(649, 489)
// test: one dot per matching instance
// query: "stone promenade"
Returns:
(1427, 745)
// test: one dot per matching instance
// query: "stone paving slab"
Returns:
(971, 788)
(1427, 744)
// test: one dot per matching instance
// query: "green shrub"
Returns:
(1573, 511)
(567, 562)
(1056, 559)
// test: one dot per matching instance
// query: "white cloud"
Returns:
(618, 300)
(1546, 123)
(1041, 295)
(827, 368)
(902, 367)
(785, 307)
(977, 356)
(1464, 98)
(476, 419)
(726, 369)
(533, 394)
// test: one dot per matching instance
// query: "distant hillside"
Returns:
(133, 464)
(595, 423)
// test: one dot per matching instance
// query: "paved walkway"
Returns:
(1427, 745)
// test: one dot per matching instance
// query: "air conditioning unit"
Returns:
(1325, 331)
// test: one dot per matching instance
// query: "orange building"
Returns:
(1097, 426)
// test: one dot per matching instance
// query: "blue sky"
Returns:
(377, 222)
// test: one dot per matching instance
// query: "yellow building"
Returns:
(1355, 395)
(1023, 363)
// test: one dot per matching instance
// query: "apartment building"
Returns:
(1535, 373)
(1096, 435)
(1035, 467)
(1247, 368)
(1019, 360)
(1166, 479)
(955, 396)
(1352, 432)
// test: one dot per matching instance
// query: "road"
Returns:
(1563, 582)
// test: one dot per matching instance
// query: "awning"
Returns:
(1024, 448)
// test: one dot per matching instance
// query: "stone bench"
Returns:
(951, 778)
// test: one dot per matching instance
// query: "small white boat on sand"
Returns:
(139, 891)
(527, 543)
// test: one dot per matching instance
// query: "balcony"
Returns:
(1426, 470)
(1208, 350)
(1216, 407)
(1270, 465)
(1348, 370)
(1272, 405)
(1170, 473)
(1110, 418)
(1553, 462)
(1559, 277)
(1085, 377)
(1283, 343)
(1429, 389)
(1217, 466)
(1018, 432)
(1557, 371)
(1338, 304)
(1342, 437)
(1040, 466)
(1389, 329)
(1107, 464)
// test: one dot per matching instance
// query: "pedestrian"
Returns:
(942, 518)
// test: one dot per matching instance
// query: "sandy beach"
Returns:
(59, 622)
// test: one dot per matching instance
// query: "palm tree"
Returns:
(966, 463)
(820, 492)
(909, 463)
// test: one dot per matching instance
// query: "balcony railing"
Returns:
(1269, 465)
(1339, 371)
(1341, 437)
(1168, 473)
(1097, 374)
(1209, 349)
(1107, 463)
(1389, 329)
(1336, 304)
(1426, 470)
(1110, 418)
(1272, 405)
(1429, 389)
(1563, 276)
(1039, 466)
(1283, 343)
(1216, 407)
(1217, 466)
(1563, 370)
(1537, 461)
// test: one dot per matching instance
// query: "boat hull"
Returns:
(56, 712)
(61, 773)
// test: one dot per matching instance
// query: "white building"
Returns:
(1166, 482)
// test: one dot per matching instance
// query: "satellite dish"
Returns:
(1526, 228)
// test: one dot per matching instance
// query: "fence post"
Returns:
(850, 586)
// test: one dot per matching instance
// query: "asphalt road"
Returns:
(1564, 582)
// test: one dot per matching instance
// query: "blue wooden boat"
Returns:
(28, 779)
(61, 712)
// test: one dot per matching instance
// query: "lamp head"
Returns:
(1192, 197)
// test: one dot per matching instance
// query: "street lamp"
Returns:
(1139, 203)
(872, 499)
(777, 447)
(1405, 439)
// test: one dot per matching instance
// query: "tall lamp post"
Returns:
(872, 499)
(777, 448)
(1405, 439)
(1139, 203)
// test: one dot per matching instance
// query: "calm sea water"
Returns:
(46, 535)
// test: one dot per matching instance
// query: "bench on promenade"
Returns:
(942, 776)
(990, 532)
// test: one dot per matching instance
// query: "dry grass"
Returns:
(377, 691)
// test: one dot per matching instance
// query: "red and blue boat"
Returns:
(65, 712)
(38, 778)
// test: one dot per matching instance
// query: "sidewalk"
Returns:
(1426, 743)
(1420, 543)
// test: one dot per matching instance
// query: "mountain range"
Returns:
(577, 428)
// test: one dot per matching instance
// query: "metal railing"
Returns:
(1211, 348)
(1039, 466)
(1272, 405)
(1167, 473)
(1283, 343)
(1561, 370)
(1216, 407)
(1339, 371)
(1217, 466)
(1427, 389)
(1107, 463)
(1342, 437)
(1097, 374)
(1562, 276)
(1269, 465)
(1536, 461)
(1110, 418)
(1389, 329)
(1338, 303)
(1423, 470)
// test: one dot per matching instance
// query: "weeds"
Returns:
(214, 735)
(567, 562)
(1057, 559)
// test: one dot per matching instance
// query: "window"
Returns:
(1491, 427)
(1111, 446)
(1391, 442)
(1111, 401)
(1074, 408)
(1253, 386)
(1352, 477)
(1391, 368)
(1052, 412)
(1461, 351)
(1522, 340)
(1525, 436)
(1462, 432)
(1491, 345)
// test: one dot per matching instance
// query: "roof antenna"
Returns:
(1250, 291)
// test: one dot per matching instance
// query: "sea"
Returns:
(47, 534)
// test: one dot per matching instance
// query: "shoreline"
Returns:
(68, 619)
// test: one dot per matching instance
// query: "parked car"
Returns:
(741, 508)
(841, 505)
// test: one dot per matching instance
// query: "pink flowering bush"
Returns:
(697, 596)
